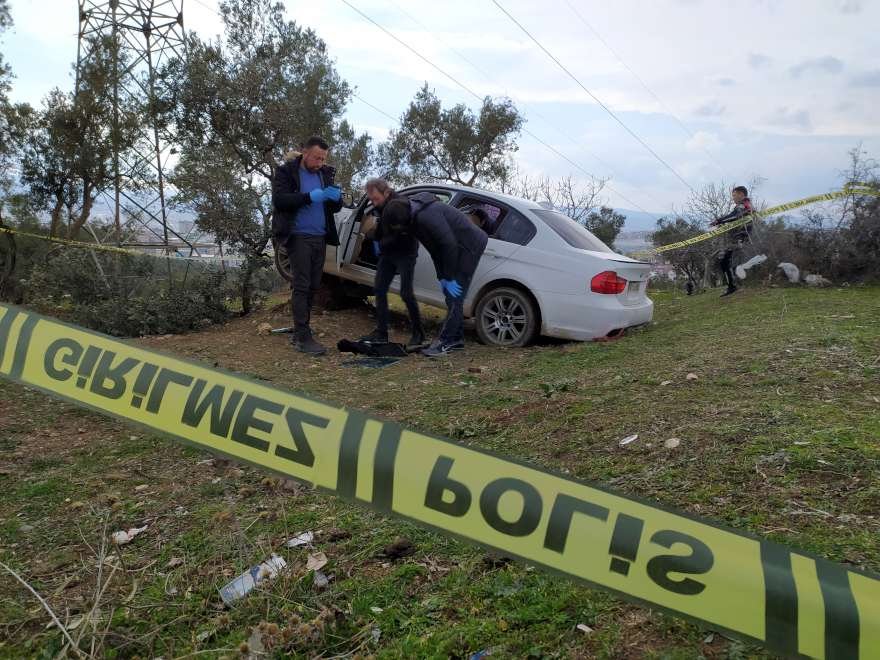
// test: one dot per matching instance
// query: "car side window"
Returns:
(515, 228)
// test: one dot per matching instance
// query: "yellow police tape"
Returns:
(773, 210)
(88, 246)
(761, 591)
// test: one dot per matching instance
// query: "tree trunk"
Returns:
(55, 227)
(247, 276)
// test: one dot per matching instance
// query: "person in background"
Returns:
(735, 239)
(304, 200)
(397, 252)
(455, 246)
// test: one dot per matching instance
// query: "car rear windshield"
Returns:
(571, 232)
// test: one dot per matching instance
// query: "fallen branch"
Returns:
(45, 607)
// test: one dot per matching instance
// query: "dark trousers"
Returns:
(726, 264)
(388, 267)
(306, 254)
(452, 331)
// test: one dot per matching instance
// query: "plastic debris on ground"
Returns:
(122, 538)
(791, 271)
(321, 581)
(628, 439)
(584, 628)
(692, 376)
(244, 583)
(672, 443)
(316, 561)
(754, 261)
(279, 331)
(305, 538)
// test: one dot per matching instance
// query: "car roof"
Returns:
(517, 202)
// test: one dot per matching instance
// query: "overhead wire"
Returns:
(481, 99)
(642, 83)
(593, 96)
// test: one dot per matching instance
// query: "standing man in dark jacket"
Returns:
(397, 252)
(304, 200)
(455, 245)
(742, 206)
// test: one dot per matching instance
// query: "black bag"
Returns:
(389, 349)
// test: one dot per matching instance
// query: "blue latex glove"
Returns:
(376, 248)
(332, 193)
(451, 287)
(318, 195)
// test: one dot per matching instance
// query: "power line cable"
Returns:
(481, 99)
(593, 96)
(642, 82)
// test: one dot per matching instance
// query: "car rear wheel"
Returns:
(282, 261)
(506, 317)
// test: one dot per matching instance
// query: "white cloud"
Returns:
(703, 140)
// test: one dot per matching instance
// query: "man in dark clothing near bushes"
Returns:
(455, 245)
(397, 252)
(304, 200)
(735, 238)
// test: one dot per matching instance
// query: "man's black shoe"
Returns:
(310, 346)
(375, 337)
(416, 342)
(730, 290)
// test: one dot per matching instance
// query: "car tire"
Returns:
(282, 263)
(507, 317)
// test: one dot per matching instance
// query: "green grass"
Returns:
(780, 436)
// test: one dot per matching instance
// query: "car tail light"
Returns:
(607, 282)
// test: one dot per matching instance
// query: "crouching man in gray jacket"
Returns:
(455, 246)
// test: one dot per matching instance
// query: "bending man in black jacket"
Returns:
(304, 200)
(455, 245)
(397, 252)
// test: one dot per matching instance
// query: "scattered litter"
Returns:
(371, 362)
(665, 383)
(122, 538)
(141, 488)
(584, 628)
(320, 581)
(816, 280)
(316, 561)
(376, 610)
(801, 443)
(819, 460)
(300, 539)
(672, 443)
(205, 635)
(791, 271)
(754, 261)
(376, 634)
(264, 329)
(402, 547)
(709, 638)
(280, 331)
(244, 583)
(479, 655)
(628, 439)
(692, 376)
(174, 562)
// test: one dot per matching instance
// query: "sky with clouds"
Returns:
(780, 89)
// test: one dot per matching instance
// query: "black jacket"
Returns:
(287, 200)
(394, 244)
(454, 242)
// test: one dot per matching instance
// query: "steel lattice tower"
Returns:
(150, 33)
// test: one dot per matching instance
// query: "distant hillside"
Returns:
(639, 220)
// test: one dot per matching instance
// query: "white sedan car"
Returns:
(542, 273)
